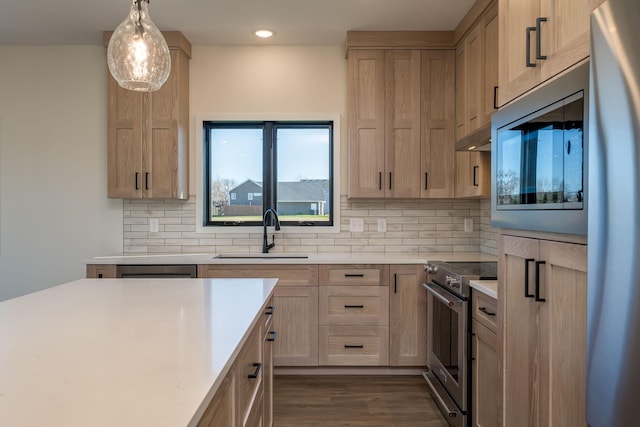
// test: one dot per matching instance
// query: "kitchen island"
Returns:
(117, 352)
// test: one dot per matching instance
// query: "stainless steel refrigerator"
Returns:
(613, 340)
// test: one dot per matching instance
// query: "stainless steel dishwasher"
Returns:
(156, 271)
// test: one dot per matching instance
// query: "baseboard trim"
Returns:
(350, 370)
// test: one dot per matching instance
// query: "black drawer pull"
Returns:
(426, 180)
(273, 336)
(353, 306)
(146, 180)
(475, 175)
(528, 47)
(539, 54)
(389, 180)
(379, 180)
(485, 311)
(395, 283)
(526, 278)
(495, 97)
(258, 366)
(353, 275)
(538, 263)
(99, 275)
(270, 310)
(136, 178)
(353, 346)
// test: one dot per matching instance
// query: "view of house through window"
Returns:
(250, 167)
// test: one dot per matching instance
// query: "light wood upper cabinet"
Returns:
(490, 46)
(148, 133)
(438, 124)
(384, 123)
(538, 40)
(544, 332)
(473, 174)
(407, 316)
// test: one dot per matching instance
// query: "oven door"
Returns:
(447, 342)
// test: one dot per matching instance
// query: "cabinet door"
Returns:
(563, 335)
(515, 76)
(473, 174)
(474, 80)
(461, 92)
(366, 112)
(402, 124)
(521, 316)
(101, 271)
(296, 321)
(438, 123)
(565, 35)
(407, 316)
(485, 383)
(164, 147)
(267, 361)
(124, 152)
(490, 54)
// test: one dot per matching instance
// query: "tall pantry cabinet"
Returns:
(148, 132)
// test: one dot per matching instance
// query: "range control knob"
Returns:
(430, 269)
(452, 281)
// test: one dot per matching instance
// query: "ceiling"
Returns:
(215, 22)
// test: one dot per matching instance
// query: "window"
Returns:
(252, 166)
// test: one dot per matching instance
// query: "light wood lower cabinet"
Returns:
(543, 295)
(296, 303)
(354, 305)
(239, 401)
(407, 316)
(101, 271)
(485, 367)
(270, 336)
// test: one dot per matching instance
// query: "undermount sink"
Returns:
(261, 256)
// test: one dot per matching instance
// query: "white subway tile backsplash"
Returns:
(412, 226)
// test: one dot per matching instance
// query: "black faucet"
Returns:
(266, 246)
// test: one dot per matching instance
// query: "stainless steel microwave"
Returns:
(539, 158)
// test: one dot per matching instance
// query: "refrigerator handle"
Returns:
(538, 264)
(526, 278)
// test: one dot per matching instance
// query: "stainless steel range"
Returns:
(449, 337)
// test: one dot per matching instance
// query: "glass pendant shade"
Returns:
(138, 55)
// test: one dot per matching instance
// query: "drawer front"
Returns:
(369, 275)
(354, 345)
(485, 310)
(248, 387)
(269, 312)
(354, 305)
(287, 275)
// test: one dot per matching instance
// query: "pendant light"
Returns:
(138, 55)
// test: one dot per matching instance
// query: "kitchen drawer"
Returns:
(256, 415)
(354, 345)
(248, 363)
(369, 275)
(354, 305)
(485, 310)
(287, 275)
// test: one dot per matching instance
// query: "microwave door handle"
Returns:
(451, 302)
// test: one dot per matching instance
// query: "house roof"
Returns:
(302, 191)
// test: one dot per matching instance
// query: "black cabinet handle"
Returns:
(353, 346)
(526, 278)
(485, 311)
(353, 306)
(353, 275)
(99, 275)
(146, 180)
(538, 264)
(379, 180)
(395, 283)
(389, 180)
(270, 310)
(475, 176)
(539, 54)
(495, 97)
(426, 180)
(258, 366)
(137, 186)
(528, 48)
(273, 336)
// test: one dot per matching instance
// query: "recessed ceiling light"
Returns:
(264, 34)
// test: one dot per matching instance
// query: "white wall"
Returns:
(267, 79)
(54, 212)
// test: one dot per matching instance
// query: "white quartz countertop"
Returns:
(488, 287)
(284, 258)
(118, 352)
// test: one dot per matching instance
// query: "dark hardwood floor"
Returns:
(319, 400)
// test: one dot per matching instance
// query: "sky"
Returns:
(302, 153)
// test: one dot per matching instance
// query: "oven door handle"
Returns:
(449, 301)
